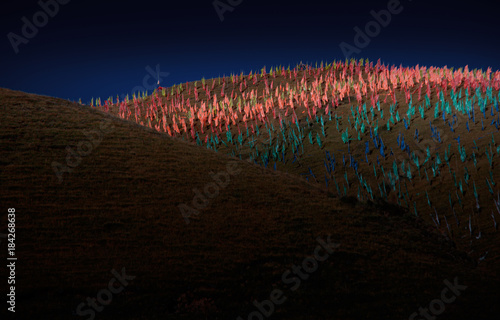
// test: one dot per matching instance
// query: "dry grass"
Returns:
(119, 208)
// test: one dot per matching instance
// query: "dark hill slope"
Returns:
(119, 208)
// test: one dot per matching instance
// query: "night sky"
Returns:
(91, 48)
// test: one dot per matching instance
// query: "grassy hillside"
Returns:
(84, 209)
(436, 126)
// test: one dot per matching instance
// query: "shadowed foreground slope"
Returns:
(119, 208)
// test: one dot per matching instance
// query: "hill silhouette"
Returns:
(208, 235)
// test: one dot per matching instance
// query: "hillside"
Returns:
(422, 137)
(117, 206)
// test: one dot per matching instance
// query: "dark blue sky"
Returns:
(104, 48)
